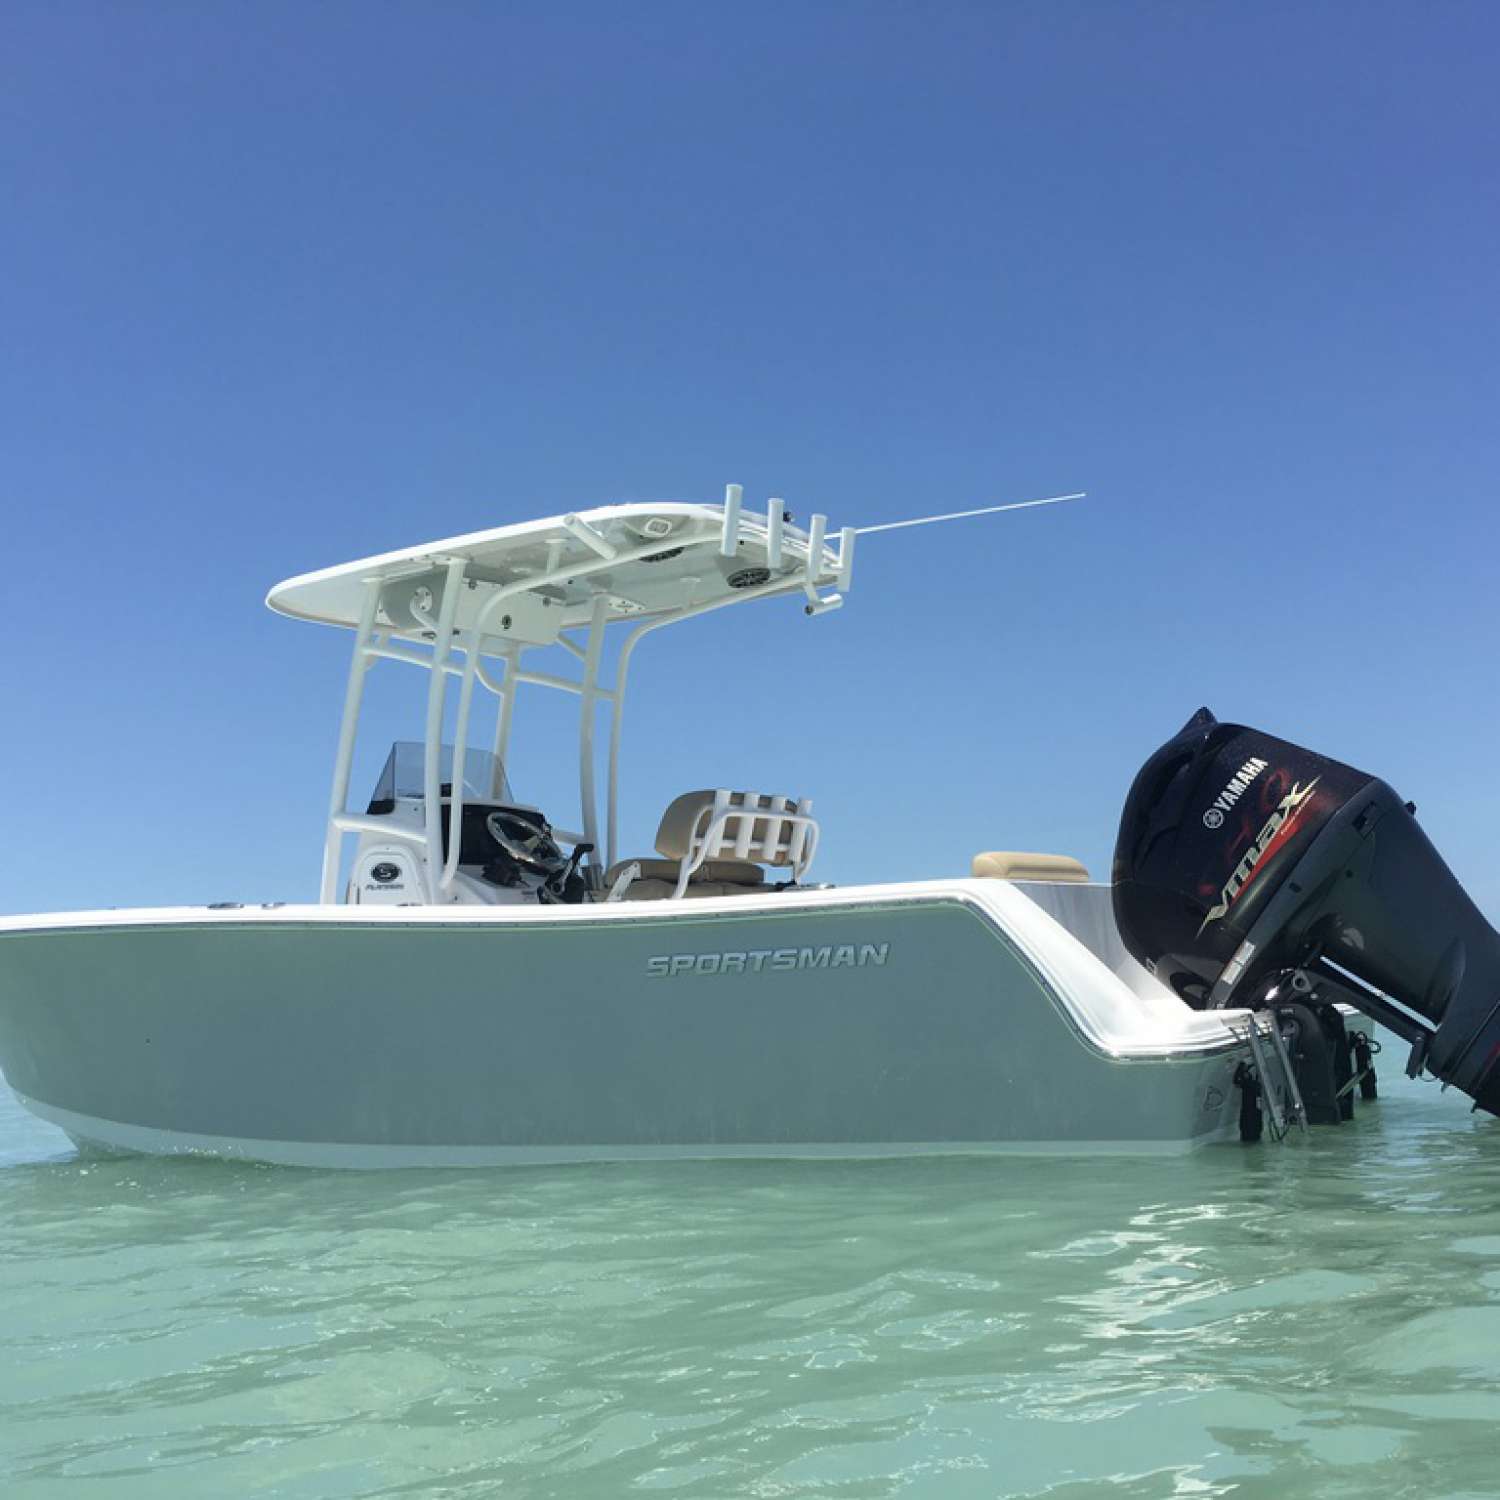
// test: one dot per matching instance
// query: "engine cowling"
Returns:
(1244, 859)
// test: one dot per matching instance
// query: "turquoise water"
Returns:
(1319, 1319)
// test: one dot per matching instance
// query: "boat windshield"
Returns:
(484, 778)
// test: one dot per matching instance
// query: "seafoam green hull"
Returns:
(852, 1024)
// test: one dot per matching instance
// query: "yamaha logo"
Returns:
(1239, 784)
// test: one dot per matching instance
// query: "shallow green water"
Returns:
(1320, 1319)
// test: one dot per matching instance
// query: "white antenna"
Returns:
(963, 515)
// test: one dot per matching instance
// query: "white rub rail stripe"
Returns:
(357, 1155)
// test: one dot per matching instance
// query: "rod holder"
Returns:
(775, 524)
(846, 557)
(730, 540)
(815, 548)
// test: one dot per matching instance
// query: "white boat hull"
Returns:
(952, 1017)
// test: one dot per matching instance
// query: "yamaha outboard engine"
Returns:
(1252, 872)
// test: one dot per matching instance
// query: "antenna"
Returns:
(963, 515)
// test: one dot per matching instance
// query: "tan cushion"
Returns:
(1005, 864)
(676, 829)
(661, 890)
(727, 871)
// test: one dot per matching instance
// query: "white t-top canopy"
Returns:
(627, 560)
(467, 606)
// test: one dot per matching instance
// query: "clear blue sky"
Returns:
(284, 284)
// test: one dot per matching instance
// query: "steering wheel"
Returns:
(531, 847)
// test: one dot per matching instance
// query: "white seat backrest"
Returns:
(770, 830)
(722, 824)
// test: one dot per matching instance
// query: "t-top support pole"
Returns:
(432, 750)
(353, 695)
(588, 699)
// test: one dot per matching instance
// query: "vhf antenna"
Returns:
(963, 515)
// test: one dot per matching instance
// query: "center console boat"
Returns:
(479, 984)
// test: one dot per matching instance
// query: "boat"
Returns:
(480, 985)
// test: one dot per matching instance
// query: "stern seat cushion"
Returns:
(1007, 864)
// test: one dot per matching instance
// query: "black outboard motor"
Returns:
(1250, 871)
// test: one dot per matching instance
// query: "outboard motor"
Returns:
(1251, 872)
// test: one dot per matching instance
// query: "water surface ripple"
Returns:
(1317, 1320)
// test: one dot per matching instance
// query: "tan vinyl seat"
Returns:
(658, 877)
(697, 890)
(1006, 864)
(674, 835)
(717, 871)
